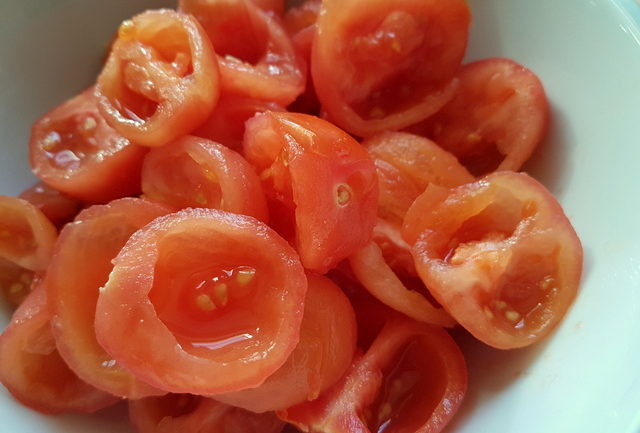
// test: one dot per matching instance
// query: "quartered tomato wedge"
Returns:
(33, 371)
(389, 64)
(203, 302)
(326, 348)
(74, 150)
(161, 79)
(308, 164)
(412, 379)
(80, 266)
(369, 266)
(255, 54)
(196, 172)
(26, 235)
(186, 413)
(496, 119)
(499, 254)
(58, 207)
(226, 123)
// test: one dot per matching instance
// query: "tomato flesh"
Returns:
(55, 205)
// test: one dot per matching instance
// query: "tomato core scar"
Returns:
(343, 195)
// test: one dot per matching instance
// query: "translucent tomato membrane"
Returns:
(527, 282)
(183, 187)
(394, 49)
(209, 299)
(413, 387)
(161, 42)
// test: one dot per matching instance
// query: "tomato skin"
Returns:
(80, 266)
(496, 119)
(357, 403)
(159, 300)
(55, 205)
(379, 279)
(26, 235)
(74, 150)
(310, 165)
(255, 54)
(326, 348)
(499, 254)
(226, 123)
(187, 413)
(196, 172)
(380, 68)
(161, 79)
(33, 371)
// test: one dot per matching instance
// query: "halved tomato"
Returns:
(326, 348)
(226, 123)
(161, 79)
(74, 150)
(203, 302)
(499, 254)
(80, 266)
(255, 54)
(187, 413)
(412, 379)
(308, 164)
(26, 235)
(196, 172)
(496, 119)
(55, 205)
(389, 64)
(33, 371)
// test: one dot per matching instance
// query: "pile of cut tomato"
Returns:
(261, 216)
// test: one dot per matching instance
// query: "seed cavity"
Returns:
(205, 303)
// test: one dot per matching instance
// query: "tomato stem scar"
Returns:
(343, 195)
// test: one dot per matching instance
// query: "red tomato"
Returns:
(33, 371)
(226, 123)
(26, 235)
(389, 64)
(412, 379)
(80, 266)
(255, 54)
(55, 205)
(196, 172)
(302, 16)
(498, 254)
(378, 278)
(74, 150)
(161, 79)
(186, 413)
(308, 163)
(274, 6)
(326, 348)
(202, 302)
(15, 282)
(406, 164)
(496, 119)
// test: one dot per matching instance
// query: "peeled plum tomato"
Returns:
(187, 413)
(33, 371)
(326, 348)
(161, 79)
(255, 54)
(26, 235)
(412, 379)
(380, 280)
(496, 119)
(499, 255)
(74, 150)
(311, 164)
(55, 205)
(389, 64)
(80, 266)
(15, 282)
(226, 123)
(203, 302)
(196, 172)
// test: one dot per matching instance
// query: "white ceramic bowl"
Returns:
(586, 377)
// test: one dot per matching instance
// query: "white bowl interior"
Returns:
(586, 377)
